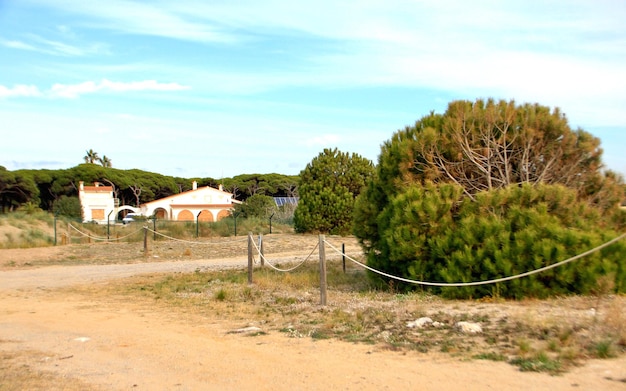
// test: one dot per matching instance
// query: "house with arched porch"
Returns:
(204, 204)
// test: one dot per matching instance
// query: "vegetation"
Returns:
(16, 189)
(491, 189)
(68, 207)
(26, 227)
(258, 205)
(329, 186)
(46, 188)
(532, 337)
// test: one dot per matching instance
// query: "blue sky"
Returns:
(217, 89)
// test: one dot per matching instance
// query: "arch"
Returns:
(206, 215)
(119, 215)
(185, 215)
(160, 213)
(223, 214)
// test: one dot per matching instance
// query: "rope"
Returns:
(102, 238)
(475, 283)
(283, 270)
(192, 241)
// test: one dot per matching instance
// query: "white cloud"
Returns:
(156, 19)
(20, 90)
(17, 45)
(71, 91)
(39, 44)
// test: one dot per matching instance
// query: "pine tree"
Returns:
(328, 188)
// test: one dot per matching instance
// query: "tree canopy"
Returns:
(46, 188)
(16, 189)
(450, 178)
(328, 187)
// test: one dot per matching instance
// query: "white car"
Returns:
(129, 218)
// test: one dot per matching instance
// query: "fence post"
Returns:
(262, 249)
(322, 252)
(249, 257)
(145, 241)
(343, 256)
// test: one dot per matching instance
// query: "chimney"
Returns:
(81, 186)
(194, 185)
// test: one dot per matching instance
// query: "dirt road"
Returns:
(112, 344)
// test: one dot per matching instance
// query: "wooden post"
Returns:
(145, 241)
(249, 257)
(262, 250)
(322, 252)
(343, 256)
(69, 234)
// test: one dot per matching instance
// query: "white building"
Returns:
(97, 203)
(204, 204)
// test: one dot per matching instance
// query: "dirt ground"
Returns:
(78, 342)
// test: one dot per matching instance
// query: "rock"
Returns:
(251, 329)
(82, 339)
(420, 323)
(385, 335)
(469, 327)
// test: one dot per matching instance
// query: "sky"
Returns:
(222, 88)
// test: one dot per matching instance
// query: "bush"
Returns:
(68, 207)
(433, 233)
(328, 188)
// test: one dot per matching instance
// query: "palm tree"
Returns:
(91, 156)
(105, 161)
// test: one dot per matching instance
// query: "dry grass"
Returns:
(551, 335)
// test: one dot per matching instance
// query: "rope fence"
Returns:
(269, 263)
(475, 283)
(252, 247)
(148, 229)
(101, 238)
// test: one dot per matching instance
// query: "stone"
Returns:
(469, 327)
(420, 323)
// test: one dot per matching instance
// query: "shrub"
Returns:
(433, 233)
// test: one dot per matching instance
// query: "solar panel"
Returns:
(281, 201)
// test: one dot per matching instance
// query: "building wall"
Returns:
(205, 204)
(96, 202)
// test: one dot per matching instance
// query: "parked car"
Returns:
(130, 217)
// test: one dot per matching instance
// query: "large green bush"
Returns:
(434, 233)
(328, 188)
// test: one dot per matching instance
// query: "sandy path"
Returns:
(117, 345)
(59, 276)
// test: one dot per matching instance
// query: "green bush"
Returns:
(258, 205)
(328, 188)
(433, 233)
(68, 207)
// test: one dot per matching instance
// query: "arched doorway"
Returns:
(185, 215)
(160, 213)
(206, 216)
(223, 214)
